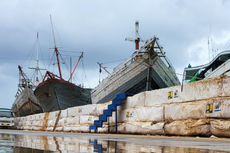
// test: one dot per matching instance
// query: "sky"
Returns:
(98, 29)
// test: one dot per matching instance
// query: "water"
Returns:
(83, 143)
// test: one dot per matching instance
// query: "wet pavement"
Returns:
(44, 142)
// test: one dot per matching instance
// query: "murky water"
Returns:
(23, 143)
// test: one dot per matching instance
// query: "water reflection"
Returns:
(46, 144)
(6, 143)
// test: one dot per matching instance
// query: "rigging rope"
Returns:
(114, 61)
(41, 54)
(29, 53)
(51, 60)
(85, 73)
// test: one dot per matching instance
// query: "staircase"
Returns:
(108, 112)
(97, 147)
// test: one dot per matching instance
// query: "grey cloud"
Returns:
(99, 29)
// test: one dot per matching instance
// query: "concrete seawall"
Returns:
(196, 109)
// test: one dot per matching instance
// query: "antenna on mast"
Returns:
(211, 42)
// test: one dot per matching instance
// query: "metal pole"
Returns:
(70, 68)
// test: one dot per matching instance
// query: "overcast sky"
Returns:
(99, 28)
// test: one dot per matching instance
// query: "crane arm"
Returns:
(103, 68)
(76, 66)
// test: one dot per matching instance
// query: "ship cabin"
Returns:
(218, 66)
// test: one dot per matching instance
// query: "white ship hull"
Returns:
(131, 76)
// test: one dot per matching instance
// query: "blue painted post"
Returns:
(108, 123)
(116, 121)
(115, 146)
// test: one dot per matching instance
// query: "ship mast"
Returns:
(37, 63)
(37, 68)
(137, 37)
(56, 50)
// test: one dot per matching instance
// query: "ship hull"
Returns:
(55, 94)
(26, 103)
(132, 78)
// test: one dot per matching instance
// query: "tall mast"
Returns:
(37, 64)
(55, 49)
(37, 68)
(137, 37)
